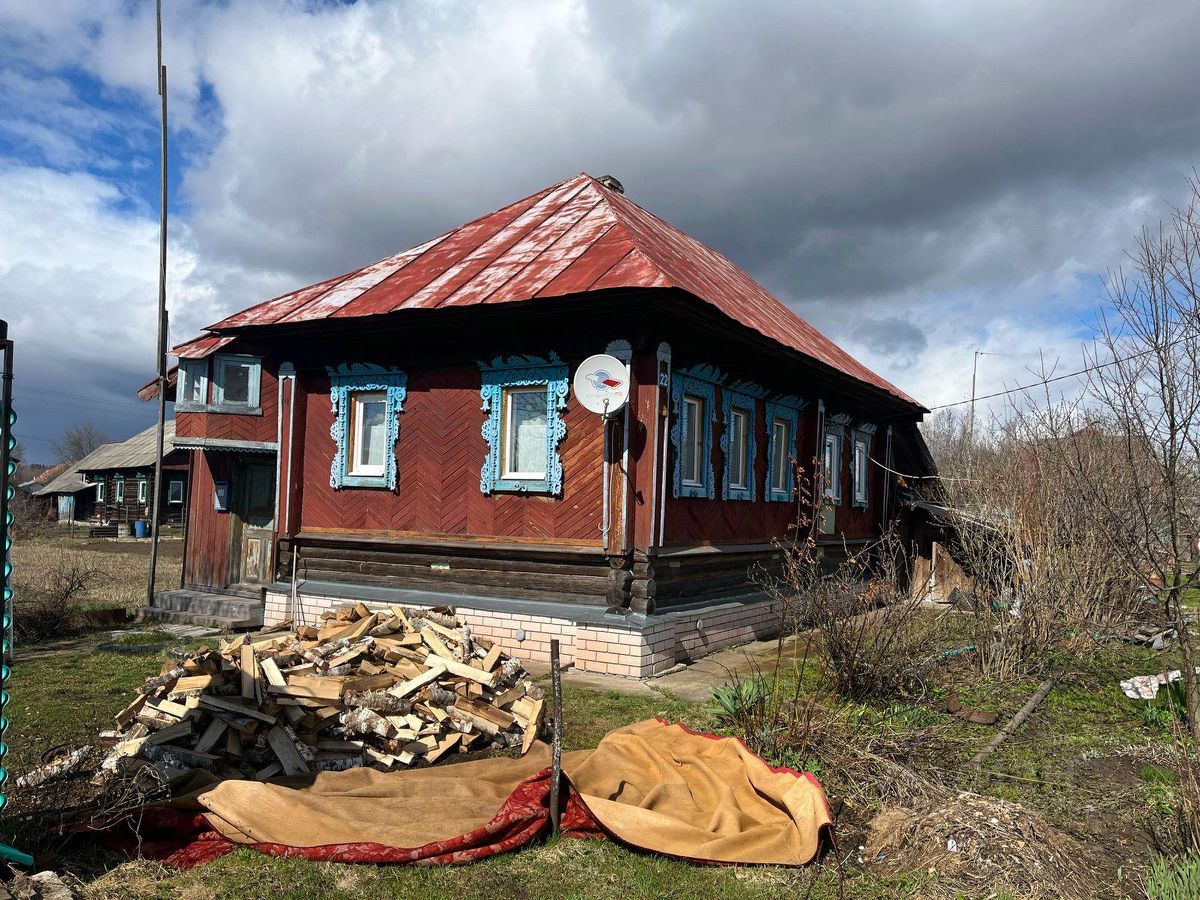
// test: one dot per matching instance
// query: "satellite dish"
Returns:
(602, 384)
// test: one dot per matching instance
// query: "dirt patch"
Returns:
(975, 845)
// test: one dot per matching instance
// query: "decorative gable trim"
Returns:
(349, 378)
(514, 372)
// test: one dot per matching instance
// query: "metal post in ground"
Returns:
(8, 490)
(161, 346)
(556, 757)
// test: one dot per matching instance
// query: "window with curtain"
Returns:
(523, 401)
(368, 433)
(526, 427)
(366, 401)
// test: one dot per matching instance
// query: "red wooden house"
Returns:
(407, 433)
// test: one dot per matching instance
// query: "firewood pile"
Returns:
(392, 689)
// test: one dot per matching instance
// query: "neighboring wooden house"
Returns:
(407, 433)
(43, 503)
(65, 496)
(120, 477)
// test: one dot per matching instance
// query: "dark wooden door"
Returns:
(254, 512)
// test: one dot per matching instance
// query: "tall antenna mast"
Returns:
(161, 352)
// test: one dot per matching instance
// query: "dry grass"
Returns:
(119, 567)
(976, 846)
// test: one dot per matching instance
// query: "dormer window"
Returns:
(192, 390)
(236, 383)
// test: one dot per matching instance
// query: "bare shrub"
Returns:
(875, 640)
(1046, 581)
(874, 637)
(48, 607)
(30, 518)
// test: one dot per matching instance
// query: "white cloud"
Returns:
(79, 288)
(918, 183)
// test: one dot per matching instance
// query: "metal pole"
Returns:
(7, 491)
(161, 349)
(556, 757)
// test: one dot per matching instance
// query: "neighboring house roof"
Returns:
(68, 481)
(137, 452)
(574, 237)
(45, 476)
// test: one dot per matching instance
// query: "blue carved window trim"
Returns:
(861, 462)
(788, 412)
(696, 381)
(833, 463)
(353, 378)
(731, 400)
(523, 371)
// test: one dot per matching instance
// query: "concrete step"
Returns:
(224, 623)
(187, 607)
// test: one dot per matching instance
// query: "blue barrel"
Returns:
(139, 528)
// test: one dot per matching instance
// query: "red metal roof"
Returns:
(571, 238)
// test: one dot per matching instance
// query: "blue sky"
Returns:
(918, 182)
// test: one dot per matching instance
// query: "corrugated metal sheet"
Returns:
(571, 238)
(200, 347)
(136, 452)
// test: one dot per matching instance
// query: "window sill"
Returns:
(225, 409)
(774, 496)
(698, 491)
(521, 486)
(365, 481)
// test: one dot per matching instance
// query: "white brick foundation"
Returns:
(617, 649)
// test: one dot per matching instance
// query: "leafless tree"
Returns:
(1142, 403)
(78, 441)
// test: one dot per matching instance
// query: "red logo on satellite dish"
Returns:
(602, 381)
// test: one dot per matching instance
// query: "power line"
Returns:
(1045, 381)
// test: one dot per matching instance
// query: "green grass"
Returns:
(66, 699)
(568, 868)
(61, 699)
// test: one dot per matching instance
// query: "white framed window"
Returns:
(738, 445)
(236, 381)
(738, 437)
(524, 399)
(368, 434)
(119, 490)
(780, 458)
(175, 491)
(192, 386)
(100, 491)
(692, 453)
(860, 471)
(141, 495)
(525, 434)
(832, 466)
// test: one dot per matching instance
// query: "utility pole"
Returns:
(971, 418)
(161, 348)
